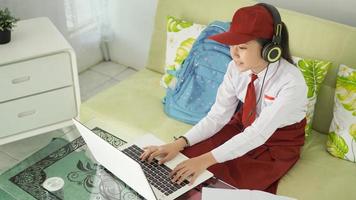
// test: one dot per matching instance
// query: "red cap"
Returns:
(248, 23)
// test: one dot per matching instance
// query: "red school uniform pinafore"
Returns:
(260, 168)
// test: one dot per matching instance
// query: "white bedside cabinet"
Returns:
(39, 89)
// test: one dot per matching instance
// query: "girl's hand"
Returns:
(192, 167)
(167, 151)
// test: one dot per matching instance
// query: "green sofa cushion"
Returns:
(318, 175)
(310, 37)
(135, 104)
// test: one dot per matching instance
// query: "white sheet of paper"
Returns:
(236, 194)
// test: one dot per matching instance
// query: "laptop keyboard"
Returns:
(157, 175)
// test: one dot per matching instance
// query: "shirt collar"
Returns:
(272, 67)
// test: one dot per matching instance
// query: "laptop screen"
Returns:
(116, 162)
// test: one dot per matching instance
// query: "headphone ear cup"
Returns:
(265, 50)
(271, 52)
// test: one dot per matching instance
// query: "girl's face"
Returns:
(247, 56)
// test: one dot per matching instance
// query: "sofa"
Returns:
(134, 106)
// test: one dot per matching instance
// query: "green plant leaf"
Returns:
(176, 25)
(308, 129)
(345, 93)
(7, 21)
(171, 67)
(336, 145)
(314, 73)
(183, 50)
(352, 131)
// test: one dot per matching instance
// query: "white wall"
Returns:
(132, 22)
(85, 41)
(341, 11)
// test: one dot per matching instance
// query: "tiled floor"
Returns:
(92, 81)
(101, 77)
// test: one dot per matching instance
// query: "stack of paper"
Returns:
(236, 194)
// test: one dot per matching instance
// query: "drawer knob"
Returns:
(26, 113)
(21, 79)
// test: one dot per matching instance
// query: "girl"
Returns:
(254, 147)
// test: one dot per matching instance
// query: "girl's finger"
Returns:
(184, 176)
(179, 174)
(165, 159)
(144, 155)
(177, 168)
(147, 152)
(194, 177)
(154, 154)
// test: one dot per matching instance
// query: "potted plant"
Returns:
(7, 23)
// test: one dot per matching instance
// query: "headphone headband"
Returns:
(277, 22)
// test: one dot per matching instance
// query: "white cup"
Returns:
(55, 186)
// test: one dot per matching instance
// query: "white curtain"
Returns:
(84, 23)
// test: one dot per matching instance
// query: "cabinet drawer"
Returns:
(36, 111)
(34, 76)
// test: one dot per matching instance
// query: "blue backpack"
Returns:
(200, 76)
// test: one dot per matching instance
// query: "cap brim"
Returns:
(230, 38)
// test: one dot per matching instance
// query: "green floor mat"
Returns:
(71, 162)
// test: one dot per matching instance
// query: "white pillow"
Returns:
(314, 72)
(342, 133)
(181, 35)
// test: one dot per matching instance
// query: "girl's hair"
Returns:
(284, 43)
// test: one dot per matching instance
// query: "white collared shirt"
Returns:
(283, 102)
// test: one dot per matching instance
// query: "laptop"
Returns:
(152, 180)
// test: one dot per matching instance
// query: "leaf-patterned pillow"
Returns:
(314, 72)
(181, 35)
(342, 133)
